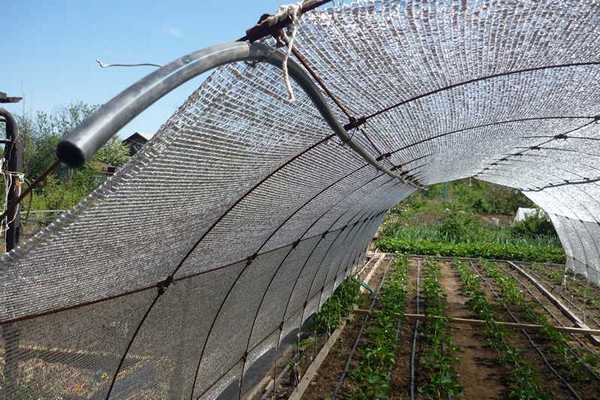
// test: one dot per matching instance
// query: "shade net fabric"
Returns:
(257, 211)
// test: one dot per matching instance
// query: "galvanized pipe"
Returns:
(83, 142)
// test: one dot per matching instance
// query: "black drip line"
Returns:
(495, 123)
(564, 182)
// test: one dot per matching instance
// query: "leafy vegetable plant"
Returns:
(371, 378)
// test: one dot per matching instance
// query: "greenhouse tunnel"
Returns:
(202, 256)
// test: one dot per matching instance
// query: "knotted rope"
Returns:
(294, 12)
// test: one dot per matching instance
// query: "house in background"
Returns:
(524, 213)
(135, 142)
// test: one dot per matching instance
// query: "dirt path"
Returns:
(478, 371)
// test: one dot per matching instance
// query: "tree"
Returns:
(113, 153)
(41, 133)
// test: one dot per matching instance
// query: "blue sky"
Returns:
(49, 47)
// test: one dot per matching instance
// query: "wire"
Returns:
(482, 78)
(103, 65)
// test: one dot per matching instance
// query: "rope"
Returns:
(9, 177)
(294, 12)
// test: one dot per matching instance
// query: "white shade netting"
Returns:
(256, 211)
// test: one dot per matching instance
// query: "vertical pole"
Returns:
(13, 163)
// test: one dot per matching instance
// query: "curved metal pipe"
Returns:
(87, 138)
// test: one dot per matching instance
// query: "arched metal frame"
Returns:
(85, 140)
(82, 143)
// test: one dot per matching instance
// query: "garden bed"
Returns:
(373, 358)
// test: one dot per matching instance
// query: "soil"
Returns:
(479, 371)
(572, 294)
(499, 220)
(556, 317)
(477, 363)
(550, 384)
(554, 314)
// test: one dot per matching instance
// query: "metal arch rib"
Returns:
(83, 142)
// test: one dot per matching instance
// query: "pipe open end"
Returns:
(68, 153)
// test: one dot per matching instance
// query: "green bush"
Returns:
(534, 225)
(458, 226)
(487, 198)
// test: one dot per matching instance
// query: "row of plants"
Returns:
(569, 362)
(438, 357)
(524, 251)
(371, 378)
(456, 219)
(524, 383)
(337, 307)
(581, 288)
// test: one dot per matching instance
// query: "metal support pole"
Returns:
(13, 163)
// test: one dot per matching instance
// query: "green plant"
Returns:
(337, 307)
(371, 377)
(458, 226)
(443, 220)
(523, 251)
(510, 294)
(66, 187)
(523, 383)
(438, 357)
(577, 285)
(535, 225)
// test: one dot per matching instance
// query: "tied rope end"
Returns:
(294, 11)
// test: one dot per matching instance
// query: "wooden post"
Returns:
(470, 321)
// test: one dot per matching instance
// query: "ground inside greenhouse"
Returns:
(323, 385)
(479, 371)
